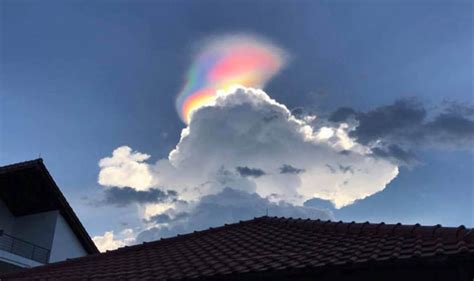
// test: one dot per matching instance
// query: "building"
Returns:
(279, 249)
(37, 225)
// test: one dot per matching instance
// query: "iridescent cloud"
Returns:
(225, 62)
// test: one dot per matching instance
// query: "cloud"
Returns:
(397, 154)
(246, 154)
(124, 196)
(457, 108)
(126, 168)
(166, 218)
(109, 242)
(449, 129)
(246, 128)
(346, 169)
(250, 172)
(342, 114)
(393, 131)
(240, 158)
(223, 62)
(386, 120)
(228, 206)
(288, 169)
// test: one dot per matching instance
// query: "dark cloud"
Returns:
(320, 203)
(457, 108)
(250, 172)
(160, 218)
(449, 127)
(122, 197)
(388, 120)
(331, 169)
(229, 206)
(288, 169)
(346, 169)
(408, 124)
(340, 168)
(397, 154)
(345, 152)
(270, 118)
(166, 218)
(342, 114)
(298, 111)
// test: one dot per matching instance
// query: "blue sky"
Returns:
(81, 78)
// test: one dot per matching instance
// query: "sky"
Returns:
(367, 116)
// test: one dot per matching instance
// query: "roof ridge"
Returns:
(22, 164)
(197, 244)
(459, 232)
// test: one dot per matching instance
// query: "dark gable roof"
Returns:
(28, 188)
(267, 248)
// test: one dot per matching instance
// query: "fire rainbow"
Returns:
(223, 63)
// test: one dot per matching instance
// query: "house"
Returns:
(37, 225)
(278, 249)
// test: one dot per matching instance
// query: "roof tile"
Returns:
(263, 245)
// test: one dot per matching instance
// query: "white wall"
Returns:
(65, 242)
(37, 228)
(48, 230)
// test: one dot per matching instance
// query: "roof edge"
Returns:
(326, 225)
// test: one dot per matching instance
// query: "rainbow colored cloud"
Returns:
(223, 63)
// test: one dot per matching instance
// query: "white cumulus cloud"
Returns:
(246, 130)
(126, 168)
(110, 242)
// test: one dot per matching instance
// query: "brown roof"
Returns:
(28, 188)
(266, 245)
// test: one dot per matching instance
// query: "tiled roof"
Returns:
(265, 245)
